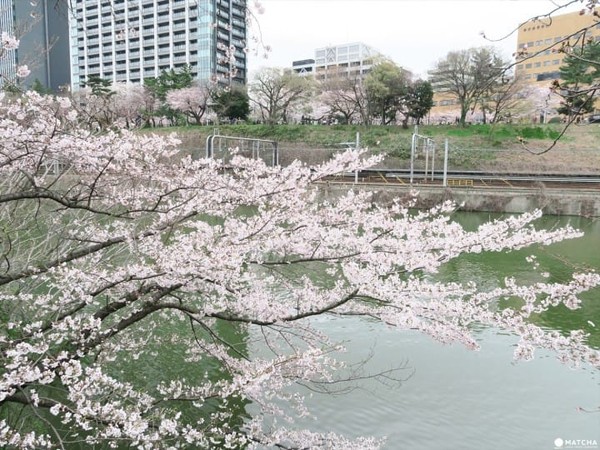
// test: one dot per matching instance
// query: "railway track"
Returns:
(472, 178)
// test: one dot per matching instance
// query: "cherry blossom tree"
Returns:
(315, 111)
(537, 102)
(116, 251)
(101, 107)
(129, 102)
(503, 99)
(8, 45)
(345, 97)
(191, 101)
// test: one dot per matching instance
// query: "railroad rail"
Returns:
(470, 178)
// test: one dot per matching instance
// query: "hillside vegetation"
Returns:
(500, 147)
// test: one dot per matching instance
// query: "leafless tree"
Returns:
(468, 76)
(275, 92)
(345, 97)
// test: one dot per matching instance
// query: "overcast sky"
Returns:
(415, 34)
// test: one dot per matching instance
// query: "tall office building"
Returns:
(42, 29)
(130, 40)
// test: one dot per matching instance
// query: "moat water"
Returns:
(454, 398)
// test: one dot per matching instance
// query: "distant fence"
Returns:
(223, 147)
(422, 145)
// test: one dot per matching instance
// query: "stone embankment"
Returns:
(552, 201)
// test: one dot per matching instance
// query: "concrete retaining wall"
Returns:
(560, 202)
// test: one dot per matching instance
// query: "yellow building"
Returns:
(538, 61)
(539, 43)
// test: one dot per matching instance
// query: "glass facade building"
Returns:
(130, 40)
(42, 29)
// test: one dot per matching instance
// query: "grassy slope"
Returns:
(483, 147)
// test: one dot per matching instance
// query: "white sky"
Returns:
(415, 34)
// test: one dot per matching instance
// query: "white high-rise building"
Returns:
(130, 40)
(352, 60)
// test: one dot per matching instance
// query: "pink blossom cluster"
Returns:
(8, 43)
(116, 252)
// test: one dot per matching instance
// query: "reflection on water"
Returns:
(459, 399)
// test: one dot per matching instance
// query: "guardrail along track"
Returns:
(471, 178)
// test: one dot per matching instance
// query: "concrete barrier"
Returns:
(552, 201)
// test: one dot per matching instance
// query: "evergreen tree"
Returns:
(387, 86)
(419, 99)
(232, 104)
(38, 87)
(580, 71)
(99, 86)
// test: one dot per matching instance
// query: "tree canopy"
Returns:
(386, 86)
(468, 75)
(580, 74)
(275, 93)
(419, 99)
(392, 94)
(232, 103)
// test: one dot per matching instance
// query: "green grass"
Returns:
(498, 133)
(381, 136)
(470, 146)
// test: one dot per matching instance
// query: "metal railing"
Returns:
(422, 145)
(223, 147)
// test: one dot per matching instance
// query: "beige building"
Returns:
(538, 63)
(539, 43)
